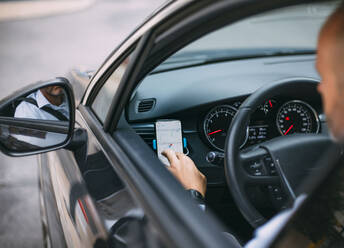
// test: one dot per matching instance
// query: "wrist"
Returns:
(198, 198)
(199, 188)
(195, 194)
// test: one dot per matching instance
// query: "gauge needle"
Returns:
(217, 131)
(270, 103)
(288, 129)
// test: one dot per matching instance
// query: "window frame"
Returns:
(105, 77)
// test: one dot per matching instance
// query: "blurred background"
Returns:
(41, 40)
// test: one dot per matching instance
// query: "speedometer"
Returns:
(297, 117)
(216, 124)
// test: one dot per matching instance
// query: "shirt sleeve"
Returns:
(265, 234)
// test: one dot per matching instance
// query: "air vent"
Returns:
(146, 131)
(145, 105)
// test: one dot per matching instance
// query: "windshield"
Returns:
(291, 30)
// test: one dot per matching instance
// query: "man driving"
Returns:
(48, 103)
(330, 66)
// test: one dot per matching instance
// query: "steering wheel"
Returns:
(279, 164)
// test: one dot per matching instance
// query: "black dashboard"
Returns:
(275, 117)
(206, 98)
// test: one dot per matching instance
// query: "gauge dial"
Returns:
(297, 117)
(216, 125)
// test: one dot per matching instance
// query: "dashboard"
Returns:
(271, 119)
(206, 98)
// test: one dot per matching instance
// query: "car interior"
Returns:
(204, 84)
(194, 97)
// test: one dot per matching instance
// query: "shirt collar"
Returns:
(41, 100)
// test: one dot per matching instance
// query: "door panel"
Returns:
(52, 228)
(77, 213)
(122, 211)
(79, 219)
(90, 196)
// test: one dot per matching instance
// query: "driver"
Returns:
(48, 103)
(330, 65)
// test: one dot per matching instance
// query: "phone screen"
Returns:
(168, 136)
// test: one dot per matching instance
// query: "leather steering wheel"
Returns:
(284, 161)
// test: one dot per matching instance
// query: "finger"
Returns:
(180, 155)
(171, 156)
(186, 160)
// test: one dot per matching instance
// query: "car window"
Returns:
(102, 102)
(287, 30)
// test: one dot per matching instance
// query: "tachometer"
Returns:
(216, 124)
(297, 117)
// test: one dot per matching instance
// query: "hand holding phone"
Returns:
(168, 136)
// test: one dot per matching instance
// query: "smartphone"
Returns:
(168, 136)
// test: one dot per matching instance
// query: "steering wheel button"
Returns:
(255, 168)
(276, 192)
(256, 165)
(258, 173)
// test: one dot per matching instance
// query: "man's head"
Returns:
(53, 90)
(330, 65)
(54, 94)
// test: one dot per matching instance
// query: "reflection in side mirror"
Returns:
(37, 120)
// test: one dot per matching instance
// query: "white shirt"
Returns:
(28, 110)
(265, 234)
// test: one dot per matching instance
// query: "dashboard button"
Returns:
(216, 158)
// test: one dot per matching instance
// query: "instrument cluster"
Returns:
(271, 119)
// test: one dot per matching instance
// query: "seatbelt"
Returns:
(47, 109)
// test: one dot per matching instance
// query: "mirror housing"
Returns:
(37, 119)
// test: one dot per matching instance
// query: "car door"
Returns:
(141, 191)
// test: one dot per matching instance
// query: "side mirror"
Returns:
(38, 119)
